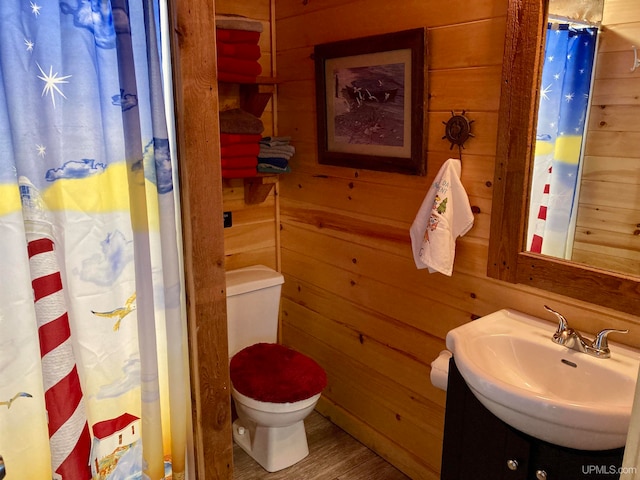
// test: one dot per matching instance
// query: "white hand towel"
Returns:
(444, 216)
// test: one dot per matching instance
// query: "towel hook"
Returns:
(636, 60)
(458, 130)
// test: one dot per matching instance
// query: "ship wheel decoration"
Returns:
(458, 130)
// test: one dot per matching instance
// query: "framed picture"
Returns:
(371, 103)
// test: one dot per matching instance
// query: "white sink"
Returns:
(543, 389)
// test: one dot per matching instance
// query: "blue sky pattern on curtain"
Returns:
(82, 130)
(564, 101)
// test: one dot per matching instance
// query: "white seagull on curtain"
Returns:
(15, 397)
(119, 313)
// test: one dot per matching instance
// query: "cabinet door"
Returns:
(561, 463)
(477, 445)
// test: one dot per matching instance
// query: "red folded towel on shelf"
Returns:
(237, 40)
(238, 162)
(236, 77)
(234, 138)
(237, 36)
(245, 51)
(239, 66)
(239, 172)
(240, 150)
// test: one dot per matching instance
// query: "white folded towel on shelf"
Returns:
(445, 215)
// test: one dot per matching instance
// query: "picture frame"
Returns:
(370, 102)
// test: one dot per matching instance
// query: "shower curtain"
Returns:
(93, 370)
(562, 112)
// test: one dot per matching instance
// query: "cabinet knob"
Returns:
(512, 464)
(541, 475)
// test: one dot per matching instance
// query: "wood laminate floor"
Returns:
(333, 455)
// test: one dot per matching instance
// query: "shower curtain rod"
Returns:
(572, 21)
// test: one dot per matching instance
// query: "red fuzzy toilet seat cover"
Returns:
(270, 372)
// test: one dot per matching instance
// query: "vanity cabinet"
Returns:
(479, 446)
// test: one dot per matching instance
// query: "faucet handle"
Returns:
(563, 325)
(601, 342)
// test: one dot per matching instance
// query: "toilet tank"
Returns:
(253, 305)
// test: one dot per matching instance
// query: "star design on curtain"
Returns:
(35, 8)
(51, 82)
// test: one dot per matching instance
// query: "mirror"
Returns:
(585, 181)
(508, 259)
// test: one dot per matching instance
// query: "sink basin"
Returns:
(543, 389)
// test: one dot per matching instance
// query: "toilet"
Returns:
(274, 388)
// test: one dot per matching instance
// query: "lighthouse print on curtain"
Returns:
(93, 375)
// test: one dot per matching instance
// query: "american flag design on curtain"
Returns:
(67, 421)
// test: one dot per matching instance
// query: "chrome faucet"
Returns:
(570, 338)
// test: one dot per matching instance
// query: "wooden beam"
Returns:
(196, 106)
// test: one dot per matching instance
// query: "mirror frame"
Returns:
(507, 260)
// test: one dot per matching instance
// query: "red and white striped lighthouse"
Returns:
(69, 437)
(538, 235)
(68, 429)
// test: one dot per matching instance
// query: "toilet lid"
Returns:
(270, 372)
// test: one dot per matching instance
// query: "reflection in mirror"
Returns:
(609, 173)
(584, 190)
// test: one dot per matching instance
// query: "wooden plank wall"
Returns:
(253, 238)
(608, 227)
(353, 298)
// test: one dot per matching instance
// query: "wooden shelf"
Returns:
(254, 97)
(256, 189)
